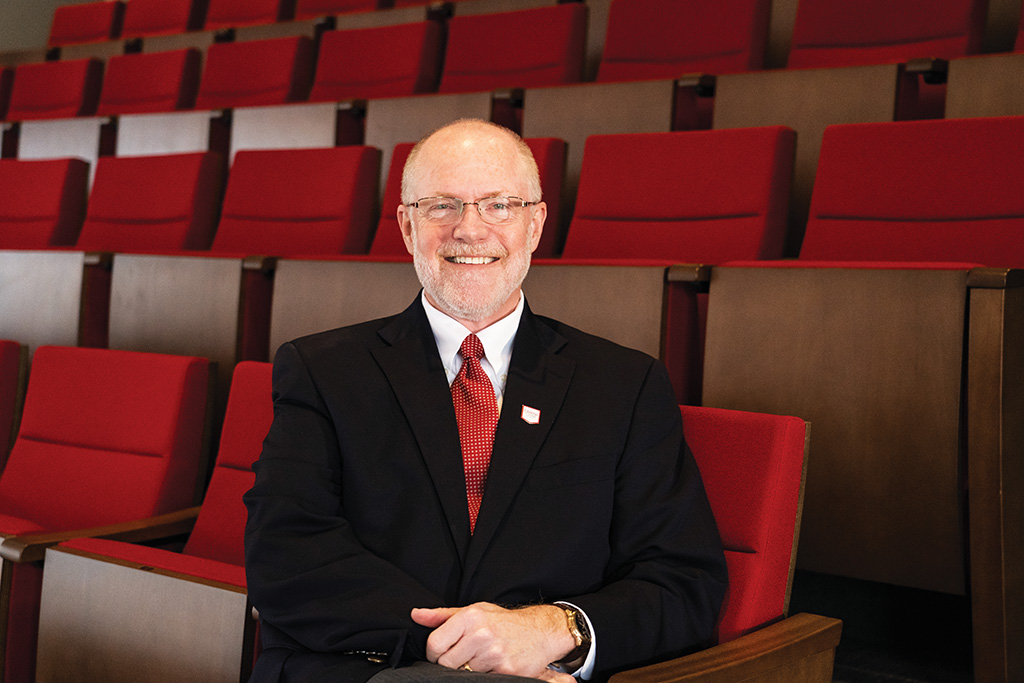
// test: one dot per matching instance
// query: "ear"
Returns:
(405, 225)
(540, 214)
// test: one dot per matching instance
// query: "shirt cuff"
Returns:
(586, 669)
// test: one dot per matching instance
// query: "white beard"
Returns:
(467, 297)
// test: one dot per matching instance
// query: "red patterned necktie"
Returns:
(476, 411)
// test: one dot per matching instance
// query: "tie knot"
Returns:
(471, 348)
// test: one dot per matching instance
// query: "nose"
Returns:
(471, 226)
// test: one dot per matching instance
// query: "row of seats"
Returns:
(159, 612)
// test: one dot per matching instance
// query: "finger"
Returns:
(553, 676)
(432, 618)
(442, 640)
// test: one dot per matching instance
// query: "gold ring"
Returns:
(466, 667)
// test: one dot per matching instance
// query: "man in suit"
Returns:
(413, 521)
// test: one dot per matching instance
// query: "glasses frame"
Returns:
(461, 206)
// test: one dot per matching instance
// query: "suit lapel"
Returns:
(413, 367)
(538, 380)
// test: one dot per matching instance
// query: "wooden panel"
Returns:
(171, 133)
(407, 119)
(312, 296)
(873, 359)
(41, 297)
(574, 112)
(806, 100)
(629, 301)
(995, 402)
(293, 126)
(388, 17)
(59, 138)
(200, 40)
(985, 86)
(104, 622)
(278, 29)
(102, 50)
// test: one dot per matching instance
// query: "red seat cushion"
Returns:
(161, 17)
(42, 202)
(88, 22)
(919, 191)
(159, 203)
(299, 202)
(258, 72)
(521, 49)
(150, 82)
(691, 197)
(669, 38)
(54, 90)
(378, 62)
(312, 9)
(231, 13)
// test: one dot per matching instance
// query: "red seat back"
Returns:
(157, 203)
(89, 22)
(312, 9)
(669, 38)
(219, 531)
(521, 49)
(947, 190)
(162, 17)
(841, 33)
(55, 90)
(256, 72)
(299, 202)
(752, 465)
(106, 436)
(693, 197)
(42, 202)
(232, 13)
(385, 61)
(150, 82)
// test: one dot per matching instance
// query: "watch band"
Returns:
(577, 625)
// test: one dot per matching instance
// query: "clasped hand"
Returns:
(487, 638)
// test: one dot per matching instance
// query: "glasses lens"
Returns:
(440, 209)
(499, 210)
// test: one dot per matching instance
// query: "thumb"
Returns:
(432, 618)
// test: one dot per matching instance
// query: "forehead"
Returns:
(468, 164)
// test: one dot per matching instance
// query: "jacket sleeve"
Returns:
(308, 574)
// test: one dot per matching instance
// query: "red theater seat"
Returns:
(106, 437)
(689, 197)
(159, 203)
(649, 39)
(257, 72)
(89, 22)
(521, 49)
(42, 202)
(55, 90)
(312, 9)
(299, 202)
(150, 82)
(162, 17)
(223, 14)
(404, 59)
(920, 191)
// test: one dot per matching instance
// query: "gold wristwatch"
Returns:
(577, 624)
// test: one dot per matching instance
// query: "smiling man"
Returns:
(466, 488)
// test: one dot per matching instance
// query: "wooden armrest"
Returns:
(703, 84)
(783, 651)
(689, 272)
(995, 278)
(32, 547)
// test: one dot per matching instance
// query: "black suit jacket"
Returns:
(359, 513)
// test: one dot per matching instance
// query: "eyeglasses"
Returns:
(448, 210)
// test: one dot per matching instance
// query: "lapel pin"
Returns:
(531, 415)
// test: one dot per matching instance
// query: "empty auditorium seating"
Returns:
(258, 72)
(13, 366)
(42, 202)
(378, 62)
(525, 48)
(669, 38)
(125, 590)
(106, 437)
(147, 204)
(752, 466)
(86, 23)
(150, 82)
(52, 90)
(299, 202)
(144, 18)
(223, 14)
(836, 33)
(690, 197)
(550, 156)
(312, 9)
